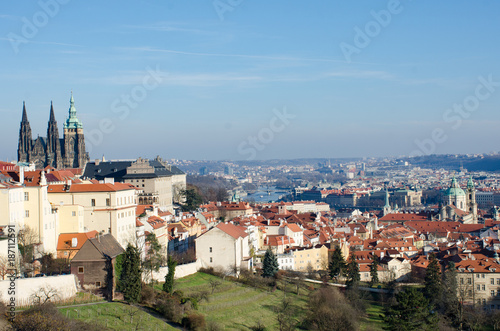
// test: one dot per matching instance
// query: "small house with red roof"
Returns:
(225, 246)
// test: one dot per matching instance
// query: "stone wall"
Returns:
(180, 271)
(64, 286)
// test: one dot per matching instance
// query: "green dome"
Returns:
(454, 191)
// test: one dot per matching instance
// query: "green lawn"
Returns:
(116, 316)
(236, 306)
(232, 306)
(372, 320)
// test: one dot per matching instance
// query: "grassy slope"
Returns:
(116, 316)
(232, 306)
(372, 320)
(237, 306)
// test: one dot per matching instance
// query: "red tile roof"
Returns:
(232, 230)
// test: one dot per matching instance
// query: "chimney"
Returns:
(97, 161)
(21, 175)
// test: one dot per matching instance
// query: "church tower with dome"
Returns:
(463, 200)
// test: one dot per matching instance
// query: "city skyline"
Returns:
(253, 80)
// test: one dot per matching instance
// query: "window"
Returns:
(498, 281)
(108, 202)
(478, 287)
(492, 293)
(462, 280)
(26, 196)
(477, 275)
(80, 270)
(492, 281)
(484, 287)
(469, 281)
(210, 249)
(73, 213)
(92, 202)
(498, 292)
(98, 284)
(26, 213)
(482, 275)
(210, 260)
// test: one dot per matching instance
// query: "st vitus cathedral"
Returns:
(68, 152)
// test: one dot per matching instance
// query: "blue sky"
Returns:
(224, 69)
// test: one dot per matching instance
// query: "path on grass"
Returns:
(377, 290)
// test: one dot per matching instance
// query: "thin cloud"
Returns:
(246, 56)
(197, 79)
(40, 42)
(168, 27)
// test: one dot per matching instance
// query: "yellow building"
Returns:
(311, 259)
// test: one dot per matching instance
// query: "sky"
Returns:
(241, 79)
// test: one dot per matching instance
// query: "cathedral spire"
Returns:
(25, 116)
(25, 143)
(52, 118)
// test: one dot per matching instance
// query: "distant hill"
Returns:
(454, 162)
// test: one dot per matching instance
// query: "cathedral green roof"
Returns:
(72, 122)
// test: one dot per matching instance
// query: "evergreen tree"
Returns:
(169, 277)
(192, 198)
(130, 276)
(411, 311)
(352, 272)
(269, 264)
(374, 271)
(450, 305)
(337, 264)
(154, 258)
(432, 280)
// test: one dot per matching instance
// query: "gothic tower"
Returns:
(25, 142)
(53, 154)
(74, 143)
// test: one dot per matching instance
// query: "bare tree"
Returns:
(27, 239)
(214, 283)
(44, 295)
(4, 266)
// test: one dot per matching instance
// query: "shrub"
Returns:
(329, 310)
(258, 327)
(148, 295)
(171, 308)
(194, 321)
(193, 302)
(47, 317)
(214, 326)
